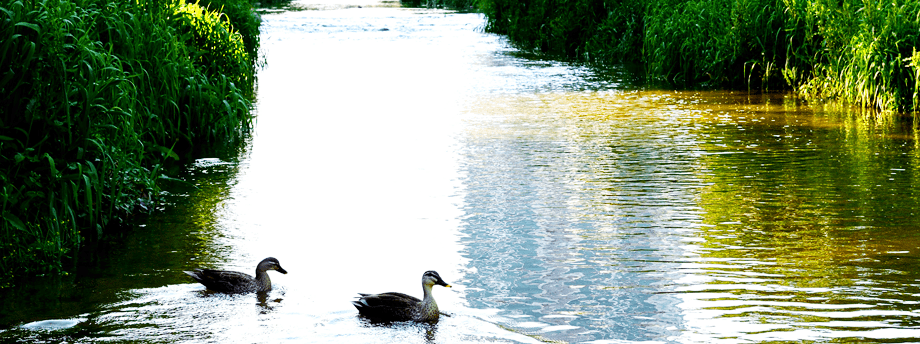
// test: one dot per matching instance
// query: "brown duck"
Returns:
(238, 282)
(401, 307)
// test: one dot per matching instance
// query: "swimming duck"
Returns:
(402, 307)
(238, 282)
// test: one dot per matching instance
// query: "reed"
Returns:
(243, 19)
(96, 95)
(458, 5)
(734, 43)
(867, 52)
(858, 51)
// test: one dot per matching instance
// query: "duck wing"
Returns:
(387, 306)
(224, 281)
(393, 299)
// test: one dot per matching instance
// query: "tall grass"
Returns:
(735, 43)
(867, 51)
(459, 5)
(95, 95)
(859, 51)
(566, 28)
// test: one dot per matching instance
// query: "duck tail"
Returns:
(194, 274)
(359, 305)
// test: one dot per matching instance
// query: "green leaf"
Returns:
(29, 25)
(14, 221)
(177, 180)
(54, 171)
(168, 152)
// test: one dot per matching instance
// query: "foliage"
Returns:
(216, 47)
(722, 42)
(597, 30)
(244, 20)
(460, 5)
(618, 37)
(859, 51)
(96, 94)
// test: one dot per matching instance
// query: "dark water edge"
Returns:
(144, 254)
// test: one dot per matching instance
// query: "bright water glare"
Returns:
(560, 201)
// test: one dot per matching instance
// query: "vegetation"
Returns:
(460, 5)
(96, 94)
(859, 51)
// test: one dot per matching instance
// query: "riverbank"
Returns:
(857, 51)
(97, 96)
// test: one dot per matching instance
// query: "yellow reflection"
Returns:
(800, 206)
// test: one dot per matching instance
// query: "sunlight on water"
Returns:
(645, 214)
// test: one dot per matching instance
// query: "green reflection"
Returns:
(185, 234)
(809, 208)
(806, 216)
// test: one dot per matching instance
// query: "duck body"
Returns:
(237, 282)
(401, 307)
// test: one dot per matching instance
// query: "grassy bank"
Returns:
(858, 51)
(96, 95)
(459, 5)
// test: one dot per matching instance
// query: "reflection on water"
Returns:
(562, 203)
(690, 218)
(809, 229)
(573, 234)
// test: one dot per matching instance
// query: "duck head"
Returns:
(271, 263)
(431, 277)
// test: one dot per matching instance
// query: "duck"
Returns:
(237, 282)
(390, 307)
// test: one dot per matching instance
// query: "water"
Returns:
(562, 202)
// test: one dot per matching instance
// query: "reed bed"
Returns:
(858, 51)
(96, 95)
(459, 5)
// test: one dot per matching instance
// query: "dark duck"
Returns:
(387, 307)
(237, 282)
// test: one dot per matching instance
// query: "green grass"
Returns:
(96, 95)
(857, 51)
(868, 54)
(459, 5)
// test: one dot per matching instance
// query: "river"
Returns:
(563, 203)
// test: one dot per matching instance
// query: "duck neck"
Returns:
(263, 283)
(426, 291)
(429, 308)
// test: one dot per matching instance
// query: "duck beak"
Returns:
(281, 270)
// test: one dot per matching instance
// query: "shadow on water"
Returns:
(268, 302)
(426, 331)
(181, 231)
